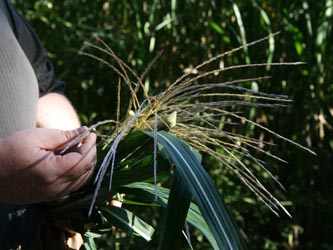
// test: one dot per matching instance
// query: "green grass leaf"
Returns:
(203, 190)
(146, 191)
(127, 221)
(178, 205)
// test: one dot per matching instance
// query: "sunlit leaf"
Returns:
(203, 190)
(146, 191)
(127, 221)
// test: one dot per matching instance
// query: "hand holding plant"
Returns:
(41, 174)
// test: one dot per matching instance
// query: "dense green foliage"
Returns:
(189, 32)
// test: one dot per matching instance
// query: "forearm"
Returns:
(55, 111)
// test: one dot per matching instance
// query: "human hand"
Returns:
(32, 171)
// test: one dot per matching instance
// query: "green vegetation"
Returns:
(189, 32)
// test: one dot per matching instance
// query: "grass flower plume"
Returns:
(195, 112)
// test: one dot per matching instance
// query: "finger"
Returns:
(75, 142)
(88, 144)
(87, 139)
(75, 242)
(54, 139)
(72, 165)
(70, 186)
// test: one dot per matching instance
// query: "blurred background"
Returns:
(189, 32)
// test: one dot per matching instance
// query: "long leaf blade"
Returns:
(194, 217)
(127, 221)
(203, 190)
(178, 205)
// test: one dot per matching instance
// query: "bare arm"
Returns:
(55, 111)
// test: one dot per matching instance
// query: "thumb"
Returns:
(56, 139)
